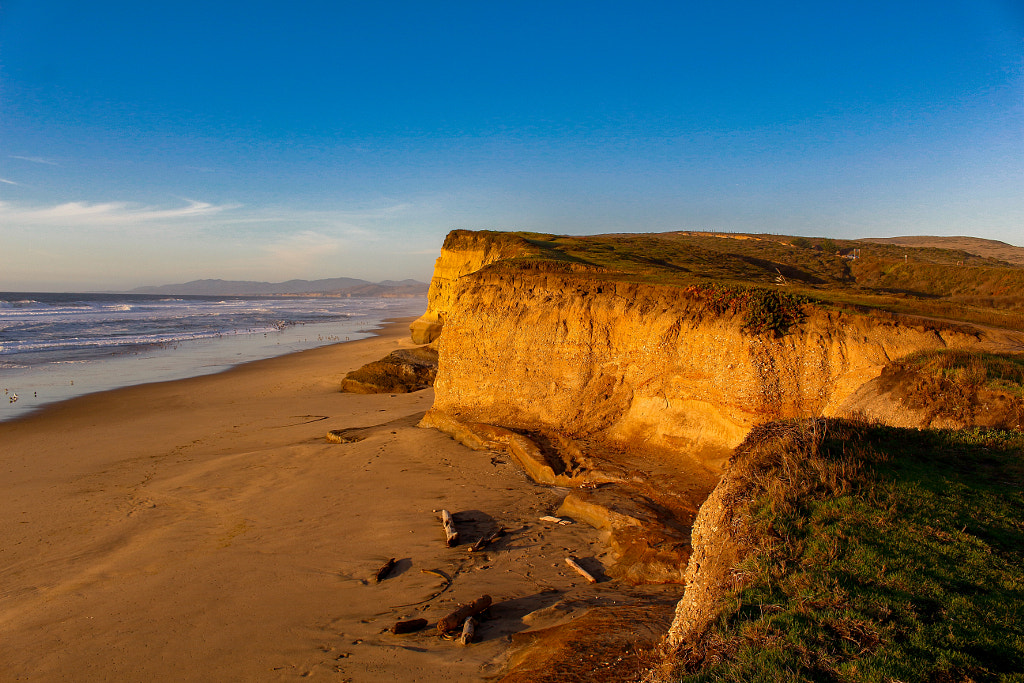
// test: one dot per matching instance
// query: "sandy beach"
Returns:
(204, 529)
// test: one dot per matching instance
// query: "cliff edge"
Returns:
(535, 344)
(463, 252)
(633, 386)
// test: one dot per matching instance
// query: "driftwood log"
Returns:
(385, 570)
(451, 536)
(410, 626)
(580, 570)
(556, 520)
(487, 540)
(453, 622)
(468, 631)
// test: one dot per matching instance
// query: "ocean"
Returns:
(58, 346)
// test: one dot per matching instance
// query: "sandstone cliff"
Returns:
(591, 380)
(534, 347)
(464, 252)
(634, 394)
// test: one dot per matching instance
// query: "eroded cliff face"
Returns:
(464, 252)
(635, 395)
(646, 367)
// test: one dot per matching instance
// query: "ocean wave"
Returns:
(77, 326)
(17, 303)
(155, 339)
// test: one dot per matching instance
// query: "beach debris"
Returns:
(436, 572)
(343, 436)
(487, 540)
(451, 536)
(556, 520)
(468, 631)
(580, 570)
(305, 420)
(453, 622)
(410, 626)
(385, 570)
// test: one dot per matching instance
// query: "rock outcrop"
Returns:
(587, 379)
(634, 394)
(648, 367)
(464, 252)
(400, 372)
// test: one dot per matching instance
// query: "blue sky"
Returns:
(146, 143)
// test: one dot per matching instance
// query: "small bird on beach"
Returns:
(14, 397)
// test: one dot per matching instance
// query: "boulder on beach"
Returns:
(400, 372)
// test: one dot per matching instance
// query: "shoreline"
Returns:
(204, 529)
(41, 385)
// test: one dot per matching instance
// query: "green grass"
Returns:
(874, 554)
(935, 283)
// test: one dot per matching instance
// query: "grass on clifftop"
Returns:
(922, 281)
(874, 554)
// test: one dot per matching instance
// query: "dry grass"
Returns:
(972, 245)
(962, 387)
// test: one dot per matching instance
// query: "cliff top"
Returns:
(928, 281)
(863, 552)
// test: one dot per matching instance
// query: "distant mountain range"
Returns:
(335, 286)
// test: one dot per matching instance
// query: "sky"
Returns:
(146, 143)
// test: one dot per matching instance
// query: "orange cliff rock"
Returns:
(642, 390)
(531, 347)
(634, 395)
(464, 252)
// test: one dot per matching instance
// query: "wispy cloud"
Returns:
(267, 222)
(9, 182)
(93, 214)
(34, 160)
(139, 242)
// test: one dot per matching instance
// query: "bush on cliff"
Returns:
(871, 554)
(763, 310)
(966, 388)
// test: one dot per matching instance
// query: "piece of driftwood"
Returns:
(487, 540)
(468, 631)
(410, 626)
(580, 570)
(453, 621)
(451, 536)
(385, 570)
(556, 520)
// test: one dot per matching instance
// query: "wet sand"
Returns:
(204, 529)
